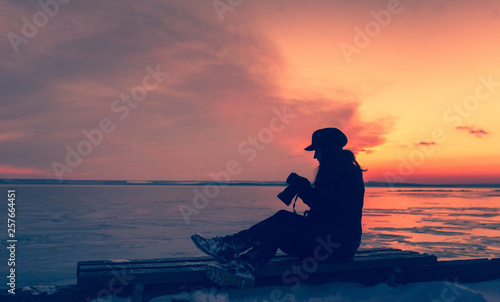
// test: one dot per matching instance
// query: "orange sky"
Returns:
(418, 94)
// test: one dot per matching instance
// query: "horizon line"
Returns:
(43, 181)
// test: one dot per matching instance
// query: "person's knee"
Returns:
(285, 213)
(285, 216)
(282, 213)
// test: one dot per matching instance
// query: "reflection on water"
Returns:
(57, 226)
(450, 223)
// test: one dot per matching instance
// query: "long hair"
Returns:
(334, 165)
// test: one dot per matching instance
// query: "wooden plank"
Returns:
(179, 266)
(182, 262)
(149, 277)
(153, 271)
(206, 258)
(463, 271)
(360, 263)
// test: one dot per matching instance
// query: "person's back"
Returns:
(339, 199)
(349, 195)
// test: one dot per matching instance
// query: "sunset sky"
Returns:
(85, 94)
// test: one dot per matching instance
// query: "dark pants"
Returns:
(295, 235)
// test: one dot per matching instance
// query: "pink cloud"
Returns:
(9, 171)
(473, 130)
(222, 89)
(424, 143)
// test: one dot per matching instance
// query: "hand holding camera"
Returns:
(295, 183)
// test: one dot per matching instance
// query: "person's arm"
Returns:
(310, 195)
(336, 203)
(321, 200)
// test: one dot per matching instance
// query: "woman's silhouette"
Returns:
(330, 228)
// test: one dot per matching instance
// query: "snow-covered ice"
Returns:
(344, 292)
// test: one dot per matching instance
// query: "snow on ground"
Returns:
(349, 292)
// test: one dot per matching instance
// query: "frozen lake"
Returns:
(57, 226)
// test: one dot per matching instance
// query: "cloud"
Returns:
(473, 130)
(341, 112)
(13, 136)
(366, 151)
(424, 143)
(221, 90)
(11, 170)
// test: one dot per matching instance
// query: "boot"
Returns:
(223, 249)
(239, 274)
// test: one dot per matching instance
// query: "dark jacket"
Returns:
(338, 200)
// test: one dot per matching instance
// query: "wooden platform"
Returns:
(368, 267)
(146, 279)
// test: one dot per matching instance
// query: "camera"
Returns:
(291, 191)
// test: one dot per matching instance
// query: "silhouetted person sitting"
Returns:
(329, 231)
